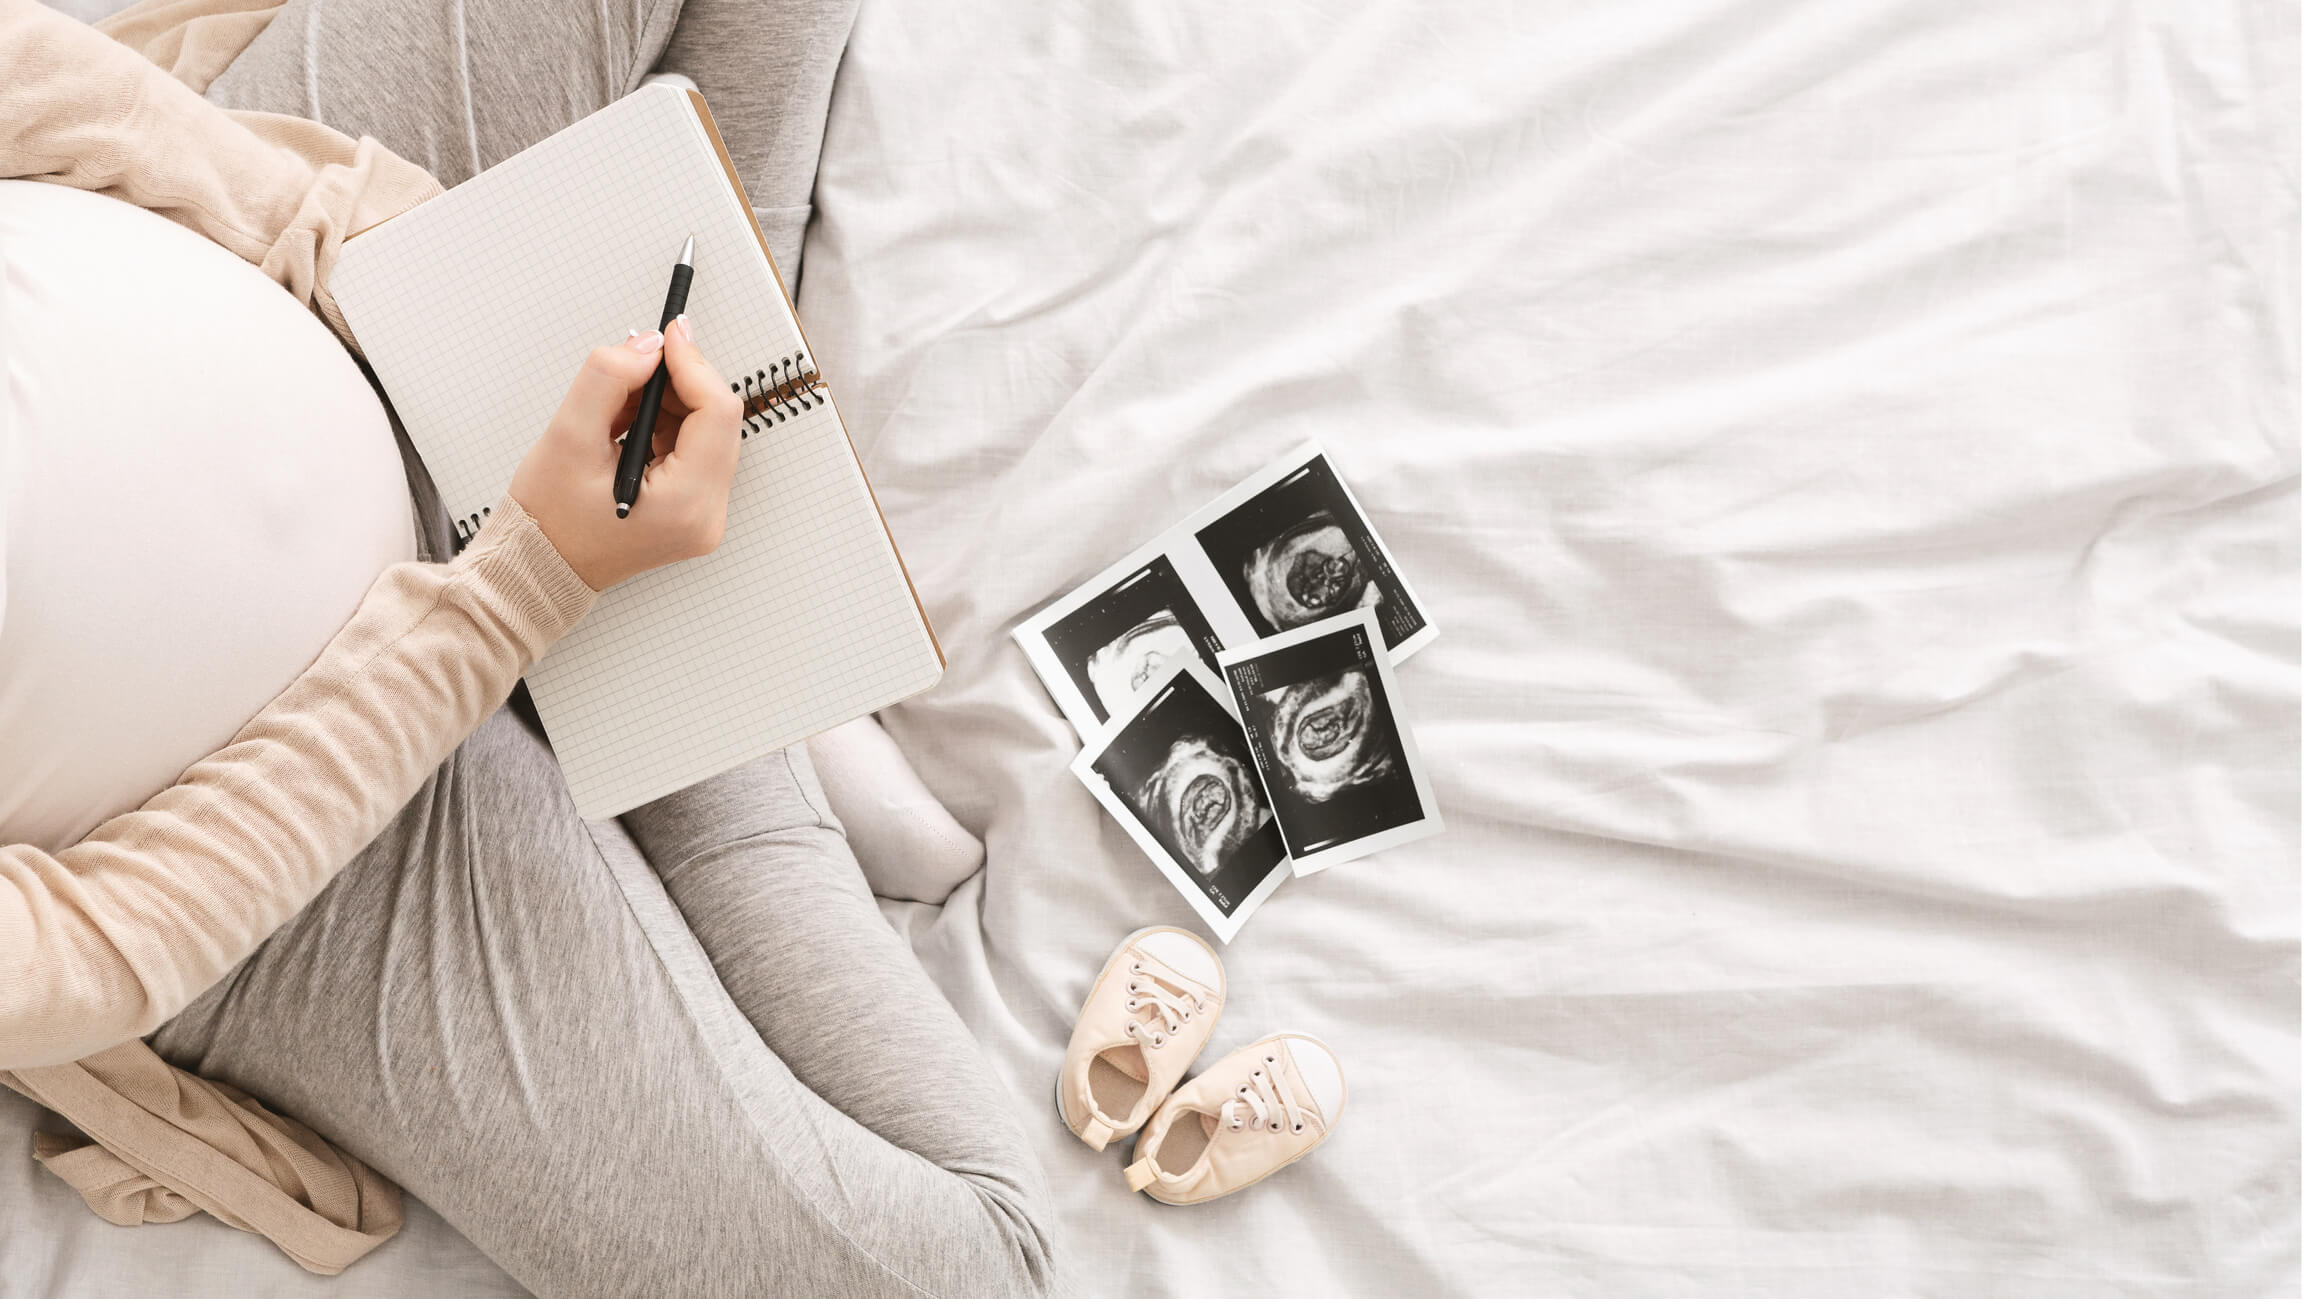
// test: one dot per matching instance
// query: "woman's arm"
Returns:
(109, 938)
(78, 108)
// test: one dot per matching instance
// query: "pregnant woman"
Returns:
(260, 804)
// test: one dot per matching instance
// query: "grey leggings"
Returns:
(675, 1053)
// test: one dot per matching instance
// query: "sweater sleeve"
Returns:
(81, 109)
(107, 939)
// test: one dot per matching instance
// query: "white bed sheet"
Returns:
(1851, 450)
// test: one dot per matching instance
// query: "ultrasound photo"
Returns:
(1299, 551)
(1178, 775)
(1342, 775)
(1117, 643)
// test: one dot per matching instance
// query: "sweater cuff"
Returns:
(515, 568)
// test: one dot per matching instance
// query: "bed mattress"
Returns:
(1851, 453)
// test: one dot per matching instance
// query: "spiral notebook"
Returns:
(475, 309)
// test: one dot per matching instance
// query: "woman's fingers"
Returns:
(670, 413)
(707, 446)
(695, 380)
(593, 412)
(565, 481)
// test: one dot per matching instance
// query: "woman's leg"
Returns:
(767, 71)
(455, 86)
(500, 1007)
(757, 864)
(461, 85)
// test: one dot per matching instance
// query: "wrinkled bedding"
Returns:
(1851, 451)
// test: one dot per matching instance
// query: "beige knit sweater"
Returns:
(106, 940)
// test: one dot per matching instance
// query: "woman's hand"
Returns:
(565, 481)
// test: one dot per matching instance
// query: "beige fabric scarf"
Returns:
(161, 1143)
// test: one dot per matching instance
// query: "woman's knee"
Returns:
(774, 799)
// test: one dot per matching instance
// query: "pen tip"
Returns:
(687, 246)
(622, 507)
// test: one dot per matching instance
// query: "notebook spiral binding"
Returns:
(469, 527)
(772, 395)
(779, 393)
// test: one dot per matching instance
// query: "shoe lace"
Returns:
(1265, 1101)
(1167, 1002)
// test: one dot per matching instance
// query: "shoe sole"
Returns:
(1058, 1084)
(1328, 1129)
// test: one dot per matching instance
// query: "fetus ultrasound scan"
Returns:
(1318, 709)
(1178, 774)
(1299, 552)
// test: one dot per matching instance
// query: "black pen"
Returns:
(634, 456)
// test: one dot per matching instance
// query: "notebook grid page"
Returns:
(477, 309)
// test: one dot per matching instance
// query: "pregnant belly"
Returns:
(196, 488)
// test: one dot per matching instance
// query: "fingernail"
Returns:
(648, 342)
(681, 322)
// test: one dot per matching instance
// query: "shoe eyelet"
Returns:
(1297, 1127)
(1270, 1059)
(1275, 1126)
(1242, 1091)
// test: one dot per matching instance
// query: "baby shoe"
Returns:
(1261, 1109)
(1144, 1022)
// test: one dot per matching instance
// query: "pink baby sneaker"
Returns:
(1146, 1018)
(1260, 1110)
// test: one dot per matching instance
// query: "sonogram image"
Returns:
(1124, 666)
(1298, 551)
(1329, 736)
(1182, 768)
(1202, 803)
(1330, 751)
(1309, 573)
(1117, 642)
